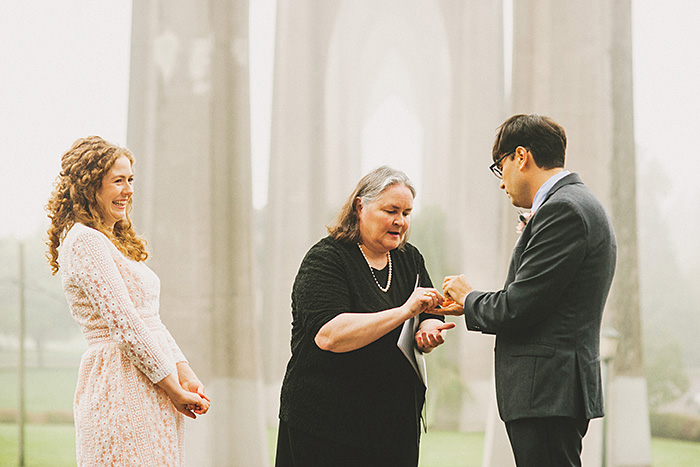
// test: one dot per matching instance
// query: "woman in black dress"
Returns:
(350, 397)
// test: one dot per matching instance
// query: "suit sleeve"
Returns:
(544, 267)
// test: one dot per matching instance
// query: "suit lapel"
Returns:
(520, 245)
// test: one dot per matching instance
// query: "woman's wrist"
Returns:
(406, 312)
(185, 373)
(171, 385)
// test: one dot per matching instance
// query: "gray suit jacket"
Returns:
(547, 318)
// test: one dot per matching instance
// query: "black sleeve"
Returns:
(321, 289)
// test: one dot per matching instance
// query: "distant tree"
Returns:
(47, 315)
(428, 234)
(664, 368)
(447, 390)
(9, 292)
(668, 292)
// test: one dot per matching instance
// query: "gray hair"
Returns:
(372, 185)
(369, 188)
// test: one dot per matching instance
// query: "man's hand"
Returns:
(456, 289)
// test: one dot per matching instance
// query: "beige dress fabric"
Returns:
(121, 417)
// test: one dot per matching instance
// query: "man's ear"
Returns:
(524, 157)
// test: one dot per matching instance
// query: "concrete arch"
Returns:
(378, 50)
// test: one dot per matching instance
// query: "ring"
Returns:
(427, 294)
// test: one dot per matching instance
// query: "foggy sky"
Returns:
(64, 75)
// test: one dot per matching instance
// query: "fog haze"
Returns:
(65, 72)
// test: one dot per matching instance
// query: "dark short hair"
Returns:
(541, 135)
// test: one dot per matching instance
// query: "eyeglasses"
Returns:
(496, 166)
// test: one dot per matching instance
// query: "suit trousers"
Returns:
(547, 441)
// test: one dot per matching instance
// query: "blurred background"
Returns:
(251, 122)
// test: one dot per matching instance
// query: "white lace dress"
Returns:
(121, 417)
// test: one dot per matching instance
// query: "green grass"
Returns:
(54, 446)
(438, 448)
(48, 389)
(674, 453)
(45, 445)
(51, 390)
(445, 448)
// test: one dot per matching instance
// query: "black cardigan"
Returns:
(369, 398)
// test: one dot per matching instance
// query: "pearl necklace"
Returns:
(371, 269)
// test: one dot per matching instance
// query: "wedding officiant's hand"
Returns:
(431, 334)
(423, 299)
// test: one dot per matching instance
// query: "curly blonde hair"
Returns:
(74, 199)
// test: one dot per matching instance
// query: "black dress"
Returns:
(366, 402)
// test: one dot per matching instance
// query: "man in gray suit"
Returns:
(548, 315)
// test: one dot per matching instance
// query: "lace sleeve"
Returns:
(177, 353)
(104, 286)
